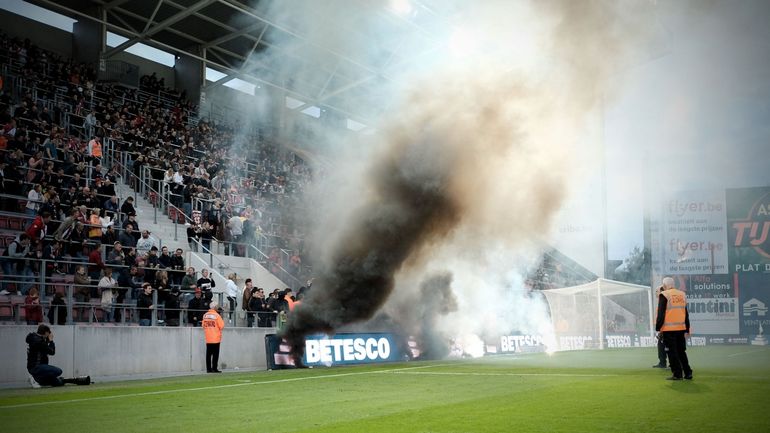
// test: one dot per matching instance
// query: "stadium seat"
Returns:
(6, 307)
(15, 223)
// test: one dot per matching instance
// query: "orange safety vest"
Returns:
(212, 326)
(96, 226)
(676, 310)
(96, 149)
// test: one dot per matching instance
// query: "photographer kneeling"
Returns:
(41, 345)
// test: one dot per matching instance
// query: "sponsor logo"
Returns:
(347, 349)
(697, 341)
(648, 341)
(716, 340)
(724, 307)
(514, 343)
(614, 341)
(574, 342)
(754, 231)
(754, 305)
(743, 340)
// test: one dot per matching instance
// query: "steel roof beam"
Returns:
(179, 16)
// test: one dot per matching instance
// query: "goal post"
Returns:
(601, 313)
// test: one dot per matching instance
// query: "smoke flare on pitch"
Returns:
(474, 154)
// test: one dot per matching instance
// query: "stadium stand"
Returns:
(75, 156)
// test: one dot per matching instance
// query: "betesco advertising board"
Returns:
(339, 349)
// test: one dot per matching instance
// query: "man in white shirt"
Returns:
(145, 243)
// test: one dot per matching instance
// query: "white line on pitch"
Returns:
(171, 391)
(447, 373)
(745, 353)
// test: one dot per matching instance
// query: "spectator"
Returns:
(126, 237)
(145, 244)
(39, 227)
(246, 294)
(189, 281)
(236, 230)
(231, 290)
(109, 237)
(78, 240)
(172, 310)
(95, 226)
(111, 207)
(193, 236)
(177, 267)
(152, 265)
(206, 235)
(196, 308)
(117, 257)
(82, 291)
(258, 306)
(33, 311)
(95, 265)
(35, 167)
(107, 285)
(130, 282)
(53, 254)
(165, 258)
(162, 285)
(127, 208)
(145, 305)
(131, 222)
(289, 300)
(34, 201)
(206, 284)
(95, 149)
(64, 230)
(57, 313)
(13, 262)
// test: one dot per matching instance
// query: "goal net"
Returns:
(599, 314)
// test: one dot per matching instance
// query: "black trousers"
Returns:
(677, 355)
(212, 356)
(661, 352)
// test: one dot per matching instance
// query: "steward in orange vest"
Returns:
(212, 326)
(673, 322)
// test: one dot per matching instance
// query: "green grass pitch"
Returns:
(587, 391)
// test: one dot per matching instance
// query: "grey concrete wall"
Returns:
(125, 351)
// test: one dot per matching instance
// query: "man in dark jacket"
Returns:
(145, 305)
(172, 308)
(40, 347)
(195, 308)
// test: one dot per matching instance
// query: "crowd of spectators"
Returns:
(53, 171)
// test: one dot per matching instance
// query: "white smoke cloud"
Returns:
(476, 152)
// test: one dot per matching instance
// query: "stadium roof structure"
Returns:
(230, 35)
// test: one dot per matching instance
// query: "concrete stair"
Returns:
(164, 230)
